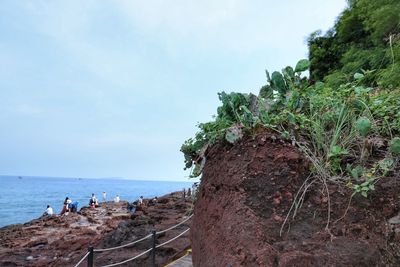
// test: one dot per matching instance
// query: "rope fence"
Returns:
(172, 239)
(90, 254)
(173, 227)
(84, 257)
(123, 246)
(128, 260)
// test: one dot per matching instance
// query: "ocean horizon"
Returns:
(24, 198)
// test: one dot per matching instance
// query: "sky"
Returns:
(113, 88)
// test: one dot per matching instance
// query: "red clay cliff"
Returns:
(246, 192)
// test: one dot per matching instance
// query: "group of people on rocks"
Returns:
(141, 203)
(69, 206)
(190, 192)
(72, 206)
(116, 198)
(94, 203)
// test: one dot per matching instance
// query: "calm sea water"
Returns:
(25, 198)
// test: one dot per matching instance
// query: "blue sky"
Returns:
(113, 88)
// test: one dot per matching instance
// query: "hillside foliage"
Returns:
(336, 128)
(366, 36)
(344, 117)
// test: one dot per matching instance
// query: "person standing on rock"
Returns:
(116, 199)
(104, 196)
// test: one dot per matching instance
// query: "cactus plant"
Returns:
(278, 82)
(395, 145)
(302, 65)
(363, 126)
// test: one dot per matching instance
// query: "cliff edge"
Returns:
(246, 193)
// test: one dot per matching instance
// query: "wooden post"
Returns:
(153, 254)
(90, 258)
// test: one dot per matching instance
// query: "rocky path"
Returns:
(63, 240)
(168, 212)
(185, 261)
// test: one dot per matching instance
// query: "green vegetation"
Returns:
(366, 36)
(347, 110)
(335, 127)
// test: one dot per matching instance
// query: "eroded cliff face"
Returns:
(246, 192)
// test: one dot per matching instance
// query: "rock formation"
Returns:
(63, 240)
(246, 192)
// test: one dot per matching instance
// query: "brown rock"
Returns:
(37, 242)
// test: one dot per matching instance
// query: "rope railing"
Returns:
(84, 257)
(173, 227)
(128, 260)
(172, 239)
(147, 251)
(123, 246)
(90, 254)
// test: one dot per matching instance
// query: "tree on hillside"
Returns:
(366, 36)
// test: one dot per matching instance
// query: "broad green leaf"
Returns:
(266, 91)
(278, 83)
(371, 187)
(357, 172)
(337, 151)
(365, 183)
(302, 65)
(288, 72)
(358, 76)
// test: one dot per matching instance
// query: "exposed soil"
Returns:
(63, 240)
(246, 192)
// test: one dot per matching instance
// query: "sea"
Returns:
(25, 198)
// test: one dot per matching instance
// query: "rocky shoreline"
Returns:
(63, 240)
